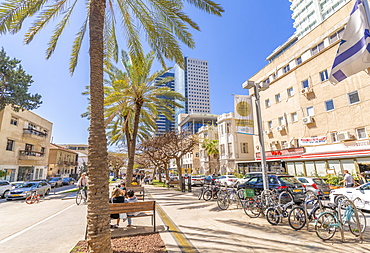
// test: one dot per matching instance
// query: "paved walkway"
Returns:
(201, 226)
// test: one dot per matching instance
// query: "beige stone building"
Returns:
(208, 164)
(82, 151)
(235, 148)
(24, 140)
(311, 126)
(62, 162)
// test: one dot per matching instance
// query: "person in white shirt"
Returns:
(348, 179)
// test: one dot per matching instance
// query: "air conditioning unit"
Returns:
(344, 136)
(307, 120)
(306, 90)
(280, 128)
(268, 131)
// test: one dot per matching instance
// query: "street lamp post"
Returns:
(257, 88)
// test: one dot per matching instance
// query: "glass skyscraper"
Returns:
(193, 84)
(164, 124)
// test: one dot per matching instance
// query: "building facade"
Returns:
(82, 152)
(308, 14)
(62, 162)
(209, 163)
(24, 139)
(312, 127)
(193, 83)
(191, 123)
(164, 124)
(234, 148)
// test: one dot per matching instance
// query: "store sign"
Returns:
(312, 141)
(283, 152)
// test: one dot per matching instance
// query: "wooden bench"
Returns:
(173, 183)
(139, 191)
(146, 209)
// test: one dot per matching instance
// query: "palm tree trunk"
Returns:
(131, 144)
(98, 232)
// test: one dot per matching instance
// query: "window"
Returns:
(222, 149)
(324, 75)
(266, 81)
(305, 83)
(353, 97)
(329, 105)
(229, 149)
(43, 150)
(281, 121)
(267, 103)
(269, 124)
(228, 128)
(334, 137)
(277, 98)
(318, 48)
(310, 111)
(29, 147)
(361, 133)
(244, 148)
(10, 145)
(294, 117)
(286, 69)
(290, 92)
(14, 121)
(299, 60)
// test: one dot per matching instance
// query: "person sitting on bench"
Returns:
(117, 197)
(130, 198)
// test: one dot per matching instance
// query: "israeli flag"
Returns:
(354, 50)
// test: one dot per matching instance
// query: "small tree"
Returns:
(14, 84)
(211, 147)
(116, 161)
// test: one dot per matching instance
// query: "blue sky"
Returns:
(235, 46)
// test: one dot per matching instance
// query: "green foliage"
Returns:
(332, 179)
(14, 84)
(238, 175)
(2, 173)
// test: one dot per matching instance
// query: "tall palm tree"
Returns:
(134, 99)
(162, 22)
(211, 147)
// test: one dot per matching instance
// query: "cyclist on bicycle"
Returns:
(82, 183)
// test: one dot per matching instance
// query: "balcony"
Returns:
(34, 133)
(30, 155)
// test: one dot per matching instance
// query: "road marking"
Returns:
(34, 225)
(180, 238)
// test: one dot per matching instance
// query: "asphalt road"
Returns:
(53, 225)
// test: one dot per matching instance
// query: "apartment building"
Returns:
(63, 162)
(235, 149)
(82, 152)
(24, 140)
(209, 164)
(312, 127)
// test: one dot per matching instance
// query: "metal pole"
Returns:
(260, 136)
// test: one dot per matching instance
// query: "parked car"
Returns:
(316, 185)
(68, 181)
(280, 182)
(22, 191)
(56, 181)
(362, 191)
(227, 180)
(210, 179)
(197, 180)
(5, 188)
(16, 183)
(248, 175)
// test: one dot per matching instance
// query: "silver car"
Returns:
(24, 190)
(5, 187)
(316, 185)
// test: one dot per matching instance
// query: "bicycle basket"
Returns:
(249, 193)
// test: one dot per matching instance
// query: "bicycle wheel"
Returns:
(78, 198)
(37, 198)
(272, 216)
(297, 218)
(317, 211)
(223, 202)
(207, 195)
(30, 199)
(326, 226)
(352, 224)
(251, 208)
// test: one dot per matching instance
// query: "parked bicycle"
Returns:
(211, 193)
(226, 197)
(297, 216)
(275, 215)
(81, 195)
(256, 204)
(33, 198)
(328, 223)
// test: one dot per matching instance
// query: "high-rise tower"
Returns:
(193, 84)
(164, 124)
(308, 14)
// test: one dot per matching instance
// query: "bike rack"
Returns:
(350, 202)
(307, 199)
